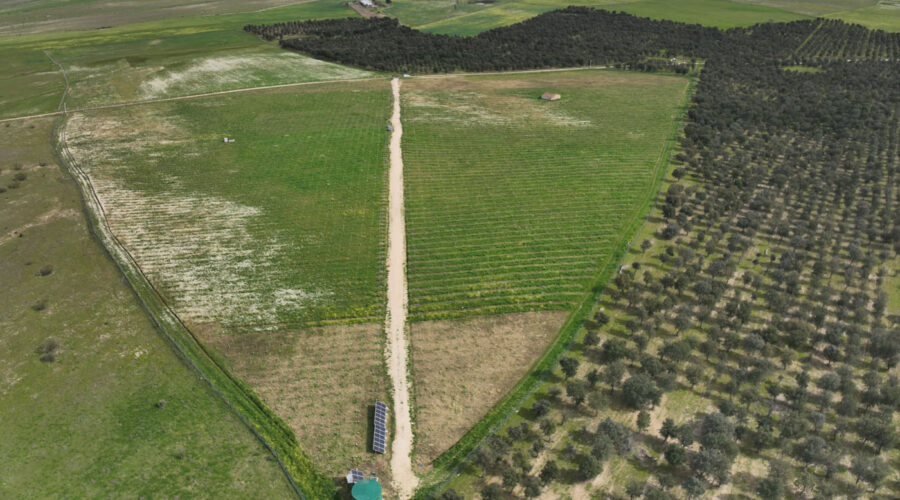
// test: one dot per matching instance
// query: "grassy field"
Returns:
(156, 59)
(91, 423)
(885, 15)
(72, 15)
(515, 203)
(813, 7)
(282, 227)
(441, 16)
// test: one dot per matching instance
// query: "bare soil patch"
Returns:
(321, 381)
(462, 367)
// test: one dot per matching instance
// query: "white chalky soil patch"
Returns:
(197, 249)
(235, 71)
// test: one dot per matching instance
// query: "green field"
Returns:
(515, 203)
(281, 227)
(883, 16)
(440, 16)
(156, 59)
(88, 423)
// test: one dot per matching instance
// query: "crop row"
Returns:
(514, 204)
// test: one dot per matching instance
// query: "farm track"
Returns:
(405, 480)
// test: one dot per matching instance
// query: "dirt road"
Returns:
(405, 480)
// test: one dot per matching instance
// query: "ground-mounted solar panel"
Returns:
(356, 475)
(380, 436)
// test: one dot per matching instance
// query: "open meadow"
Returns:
(473, 17)
(93, 401)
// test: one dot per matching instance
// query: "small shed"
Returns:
(367, 489)
(550, 96)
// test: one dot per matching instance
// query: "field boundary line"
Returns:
(397, 345)
(448, 465)
(267, 87)
(62, 100)
(267, 427)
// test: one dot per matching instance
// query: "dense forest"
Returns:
(763, 290)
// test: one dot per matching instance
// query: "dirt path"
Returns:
(405, 480)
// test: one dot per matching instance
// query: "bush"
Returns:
(39, 305)
(670, 231)
(47, 350)
(21, 176)
(45, 271)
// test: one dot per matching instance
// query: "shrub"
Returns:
(47, 350)
(45, 271)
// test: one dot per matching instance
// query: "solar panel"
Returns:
(356, 475)
(379, 438)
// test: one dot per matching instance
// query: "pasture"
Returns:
(156, 59)
(885, 15)
(513, 203)
(94, 402)
(281, 228)
(469, 18)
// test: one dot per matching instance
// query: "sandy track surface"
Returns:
(405, 480)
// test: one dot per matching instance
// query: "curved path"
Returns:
(405, 480)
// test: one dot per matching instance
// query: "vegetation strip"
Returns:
(278, 438)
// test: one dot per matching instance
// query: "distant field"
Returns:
(513, 203)
(88, 424)
(812, 7)
(68, 15)
(156, 59)
(439, 16)
(282, 227)
(885, 16)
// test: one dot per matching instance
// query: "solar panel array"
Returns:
(380, 429)
(356, 475)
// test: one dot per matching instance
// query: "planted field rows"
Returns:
(282, 227)
(514, 203)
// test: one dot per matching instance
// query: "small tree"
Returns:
(643, 420)
(693, 487)
(641, 391)
(668, 429)
(613, 373)
(569, 366)
(576, 390)
(550, 472)
(634, 489)
(645, 245)
(532, 487)
(589, 467)
(675, 454)
(492, 491)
